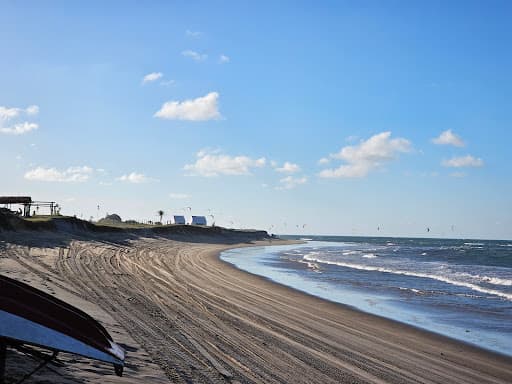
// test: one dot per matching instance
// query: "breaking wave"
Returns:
(445, 279)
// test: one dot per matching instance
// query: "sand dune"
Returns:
(187, 317)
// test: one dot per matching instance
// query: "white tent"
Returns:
(198, 220)
(179, 219)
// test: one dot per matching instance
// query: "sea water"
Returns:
(458, 288)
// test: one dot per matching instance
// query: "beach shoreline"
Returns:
(352, 307)
(189, 316)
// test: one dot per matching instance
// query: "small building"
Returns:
(198, 220)
(24, 201)
(15, 200)
(179, 220)
(27, 203)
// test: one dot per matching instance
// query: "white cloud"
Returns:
(449, 138)
(17, 128)
(291, 182)
(193, 34)
(288, 168)
(206, 151)
(153, 76)
(323, 160)
(463, 161)
(9, 113)
(72, 174)
(366, 156)
(196, 56)
(223, 59)
(213, 164)
(179, 196)
(167, 83)
(347, 171)
(32, 110)
(200, 109)
(135, 178)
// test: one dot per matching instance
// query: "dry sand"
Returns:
(185, 316)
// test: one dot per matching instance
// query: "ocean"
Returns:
(458, 288)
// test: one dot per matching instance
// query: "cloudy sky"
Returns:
(345, 116)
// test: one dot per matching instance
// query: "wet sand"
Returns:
(185, 316)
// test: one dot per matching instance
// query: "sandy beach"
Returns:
(185, 316)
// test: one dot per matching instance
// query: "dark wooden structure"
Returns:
(27, 203)
(15, 200)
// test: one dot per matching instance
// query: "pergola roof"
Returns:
(15, 200)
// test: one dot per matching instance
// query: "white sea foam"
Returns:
(417, 291)
(487, 279)
(313, 266)
(444, 279)
(347, 253)
(370, 256)
(468, 295)
(497, 281)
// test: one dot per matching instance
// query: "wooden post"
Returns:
(3, 356)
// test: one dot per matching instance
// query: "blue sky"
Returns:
(345, 116)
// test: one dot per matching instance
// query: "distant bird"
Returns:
(428, 229)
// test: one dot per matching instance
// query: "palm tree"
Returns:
(161, 214)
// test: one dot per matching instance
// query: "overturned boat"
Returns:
(30, 317)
